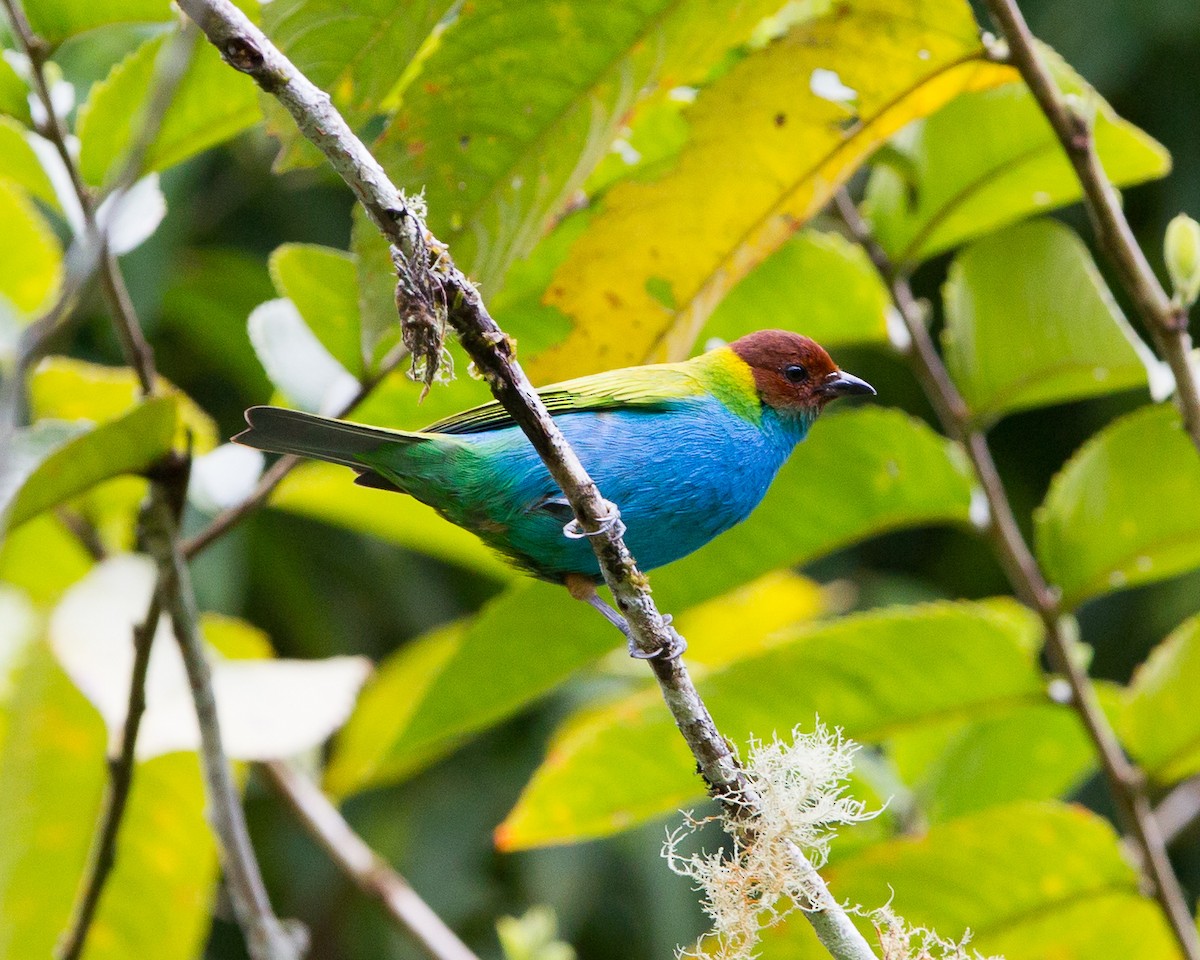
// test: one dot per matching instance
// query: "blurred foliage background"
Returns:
(319, 589)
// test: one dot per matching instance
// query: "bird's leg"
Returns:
(582, 588)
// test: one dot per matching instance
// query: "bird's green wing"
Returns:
(649, 388)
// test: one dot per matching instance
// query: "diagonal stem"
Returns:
(1126, 781)
(267, 937)
(1165, 319)
(369, 872)
(246, 49)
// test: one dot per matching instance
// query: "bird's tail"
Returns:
(278, 430)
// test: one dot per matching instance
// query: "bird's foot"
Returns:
(671, 650)
(584, 589)
(610, 521)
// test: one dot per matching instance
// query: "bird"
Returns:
(686, 450)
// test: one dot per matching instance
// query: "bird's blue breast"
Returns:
(679, 477)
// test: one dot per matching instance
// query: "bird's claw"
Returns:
(610, 521)
(671, 650)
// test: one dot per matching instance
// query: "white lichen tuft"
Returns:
(899, 941)
(767, 872)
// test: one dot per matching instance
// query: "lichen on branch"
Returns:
(767, 872)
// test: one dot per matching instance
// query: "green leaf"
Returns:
(370, 748)
(1124, 509)
(1031, 881)
(818, 284)
(870, 675)
(20, 165)
(457, 681)
(498, 141)
(211, 104)
(320, 281)
(31, 260)
(1035, 751)
(325, 492)
(55, 20)
(990, 158)
(858, 474)
(1030, 322)
(1159, 723)
(14, 94)
(430, 695)
(705, 224)
(55, 461)
(357, 51)
(52, 773)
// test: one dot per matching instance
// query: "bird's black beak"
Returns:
(841, 384)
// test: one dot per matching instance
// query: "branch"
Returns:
(1166, 320)
(267, 937)
(248, 50)
(370, 873)
(1126, 781)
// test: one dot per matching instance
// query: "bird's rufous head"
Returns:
(794, 373)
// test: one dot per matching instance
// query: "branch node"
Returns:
(243, 55)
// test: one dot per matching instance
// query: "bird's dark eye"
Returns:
(795, 373)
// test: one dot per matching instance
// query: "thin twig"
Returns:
(373, 876)
(268, 938)
(227, 519)
(1126, 781)
(120, 781)
(83, 531)
(248, 50)
(1166, 320)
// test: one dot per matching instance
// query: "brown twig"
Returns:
(248, 50)
(373, 876)
(1126, 781)
(83, 531)
(267, 937)
(116, 796)
(1166, 320)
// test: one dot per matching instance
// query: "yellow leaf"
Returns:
(746, 621)
(63, 388)
(30, 255)
(770, 143)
